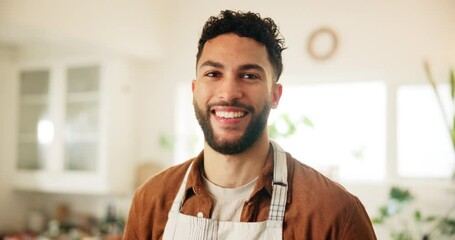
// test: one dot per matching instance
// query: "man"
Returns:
(242, 185)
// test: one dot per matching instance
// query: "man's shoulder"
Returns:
(309, 182)
(323, 204)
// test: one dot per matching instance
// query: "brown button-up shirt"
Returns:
(317, 208)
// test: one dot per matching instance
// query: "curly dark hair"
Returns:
(251, 25)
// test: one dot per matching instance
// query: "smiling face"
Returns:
(233, 92)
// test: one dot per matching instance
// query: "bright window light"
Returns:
(340, 128)
(424, 145)
(189, 139)
(45, 131)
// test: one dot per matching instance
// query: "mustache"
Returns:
(234, 103)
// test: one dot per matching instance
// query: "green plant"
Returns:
(450, 125)
(285, 127)
(396, 211)
(166, 142)
(409, 225)
(448, 226)
(445, 224)
(398, 200)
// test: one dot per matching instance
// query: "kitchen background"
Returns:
(95, 96)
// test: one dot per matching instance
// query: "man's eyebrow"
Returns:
(210, 63)
(252, 66)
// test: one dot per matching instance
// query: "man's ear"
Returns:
(277, 90)
(193, 85)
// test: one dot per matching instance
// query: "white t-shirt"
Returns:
(228, 202)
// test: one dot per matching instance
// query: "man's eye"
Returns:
(249, 76)
(213, 74)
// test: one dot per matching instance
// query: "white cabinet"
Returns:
(75, 127)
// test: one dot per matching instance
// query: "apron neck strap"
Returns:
(178, 200)
(279, 184)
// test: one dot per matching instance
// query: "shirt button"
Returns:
(200, 214)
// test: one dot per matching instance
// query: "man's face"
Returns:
(233, 92)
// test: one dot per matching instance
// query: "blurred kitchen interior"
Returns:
(100, 141)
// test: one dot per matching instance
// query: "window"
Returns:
(345, 137)
(189, 139)
(424, 147)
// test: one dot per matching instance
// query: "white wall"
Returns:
(384, 40)
(129, 27)
(379, 37)
(11, 208)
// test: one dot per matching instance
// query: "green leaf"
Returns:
(401, 195)
(448, 226)
(377, 220)
(307, 122)
(417, 215)
(273, 132)
(452, 84)
(452, 132)
(401, 235)
(166, 142)
(290, 125)
(384, 211)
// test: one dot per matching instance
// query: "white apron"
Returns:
(180, 226)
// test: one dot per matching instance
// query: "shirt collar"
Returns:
(194, 184)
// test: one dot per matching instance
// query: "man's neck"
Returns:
(232, 171)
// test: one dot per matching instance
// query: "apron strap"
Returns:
(279, 184)
(178, 200)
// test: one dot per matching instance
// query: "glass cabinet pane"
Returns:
(30, 156)
(81, 155)
(83, 79)
(82, 111)
(34, 136)
(34, 82)
(81, 117)
(30, 116)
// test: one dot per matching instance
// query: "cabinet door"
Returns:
(82, 118)
(35, 127)
(62, 145)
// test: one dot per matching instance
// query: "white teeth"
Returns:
(229, 114)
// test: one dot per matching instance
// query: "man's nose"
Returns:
(230, 89)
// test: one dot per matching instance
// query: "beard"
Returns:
(252, 133)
